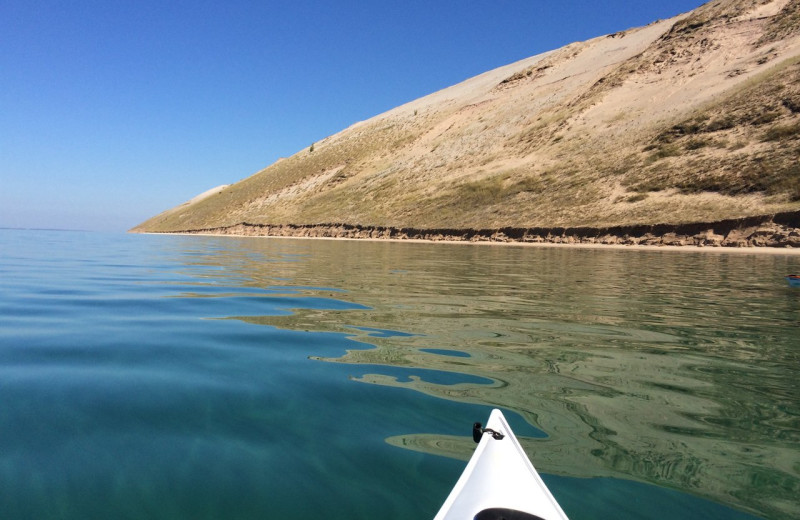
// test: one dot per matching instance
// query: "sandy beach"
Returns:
(787, 251)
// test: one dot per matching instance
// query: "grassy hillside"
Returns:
(691, 119)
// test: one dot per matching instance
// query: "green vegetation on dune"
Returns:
(747, 143)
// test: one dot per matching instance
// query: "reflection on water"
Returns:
(672, 368)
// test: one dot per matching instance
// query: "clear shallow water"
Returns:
(199, 377)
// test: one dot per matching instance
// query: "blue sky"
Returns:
(113, 111)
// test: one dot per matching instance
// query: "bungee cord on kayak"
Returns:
(478, 430)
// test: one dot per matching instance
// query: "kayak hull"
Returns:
(500, 482)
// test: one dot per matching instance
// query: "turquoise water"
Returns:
(199, 377)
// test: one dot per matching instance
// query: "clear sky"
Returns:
(112, 111)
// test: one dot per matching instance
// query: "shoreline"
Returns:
(778, 233)
(788, 251)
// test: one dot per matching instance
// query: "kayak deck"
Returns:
(500, 482)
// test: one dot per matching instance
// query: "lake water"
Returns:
(176, 377)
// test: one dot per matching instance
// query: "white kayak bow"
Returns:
(499, 482)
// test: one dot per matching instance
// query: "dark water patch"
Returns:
(445, 352)
(305, 288)
(383, 333)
